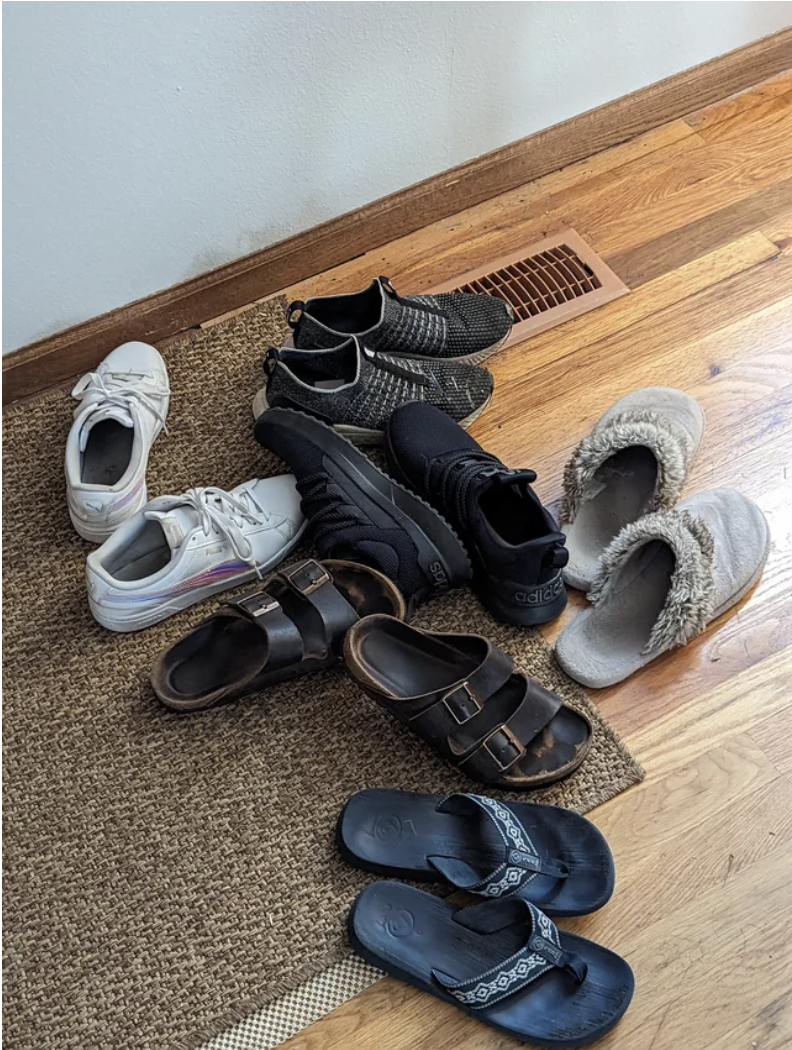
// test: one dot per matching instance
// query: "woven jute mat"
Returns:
(165, 874)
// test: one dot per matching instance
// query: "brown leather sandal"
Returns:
(293, 625)
(461, 694)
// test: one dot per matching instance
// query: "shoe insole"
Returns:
(409, 933)
(410, 664)
(108, 453)
(625, 485)
(393, 833)
(611, 637)
(146, 554)
(221, 652)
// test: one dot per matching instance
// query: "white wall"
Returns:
(145, 143)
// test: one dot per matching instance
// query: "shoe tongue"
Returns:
(499, 479)
(101, 415)
(176, 523)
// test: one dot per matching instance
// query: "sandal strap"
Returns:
(521, 862)
(301, 612)
(504, 746)
(441, 713)
(541, 952)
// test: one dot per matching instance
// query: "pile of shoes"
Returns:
(405, 372)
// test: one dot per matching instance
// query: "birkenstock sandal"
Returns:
(504, 962)
(550, 856)
(661, 581)
(634, 461)
(462, 695)
(293, 625)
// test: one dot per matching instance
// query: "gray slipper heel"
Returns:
(661, 581)
(634, 461)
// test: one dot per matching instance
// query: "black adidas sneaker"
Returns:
(355, 389)
(360, 514)
(449, 325)
(515, 545)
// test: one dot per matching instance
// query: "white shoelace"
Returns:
(227, 514)
(119, 389)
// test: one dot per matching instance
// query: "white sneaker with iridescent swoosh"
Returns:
(180, 549)
(123, 405)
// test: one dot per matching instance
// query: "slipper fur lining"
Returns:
(691, 595)
(671, 445)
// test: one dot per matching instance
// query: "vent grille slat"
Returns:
(545, 283)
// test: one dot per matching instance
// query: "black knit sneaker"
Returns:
(360, 514)
(354, 389)
(515, 545)
(449, 325)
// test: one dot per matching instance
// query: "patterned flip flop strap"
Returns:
(522, 861)
(541, 953)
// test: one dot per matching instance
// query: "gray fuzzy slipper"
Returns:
(634, 461)
(661, 581)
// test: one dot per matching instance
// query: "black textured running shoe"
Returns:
(359, 514)
(449, 325)
(355, 389)
(515, 545)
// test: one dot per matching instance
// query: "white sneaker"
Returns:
(180, 549)
(123, 405)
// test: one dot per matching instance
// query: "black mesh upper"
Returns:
(447, 325)
(384, 382)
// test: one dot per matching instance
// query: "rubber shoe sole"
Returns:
(358, 435)
(443, 560)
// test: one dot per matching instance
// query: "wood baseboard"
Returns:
(157, 317)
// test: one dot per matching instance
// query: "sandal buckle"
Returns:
(510, 741)
(256, 605)
(307, 576)
(460, 710)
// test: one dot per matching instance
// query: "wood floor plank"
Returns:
(746, 105)
(736, 175)
(706, 271)
(705, 721)
(651, 816)
(778, 227)
(770, 1028)
(710, 962)
(695, 862)
(772, 737)
(664, 253)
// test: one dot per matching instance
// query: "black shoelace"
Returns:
(327, 510)
(452, 478)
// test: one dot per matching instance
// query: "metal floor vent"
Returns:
(547, 283)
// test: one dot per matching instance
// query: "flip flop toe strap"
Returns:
(541, 952)
(521, 862)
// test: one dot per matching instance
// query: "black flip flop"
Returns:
(501, 961)
(553, 857)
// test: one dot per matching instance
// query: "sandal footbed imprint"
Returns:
(609, 641)
(623, 488)
(395, 833)
(225, 656)
(412, 935)
(397, 664)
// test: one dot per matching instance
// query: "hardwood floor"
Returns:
(696, 216)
